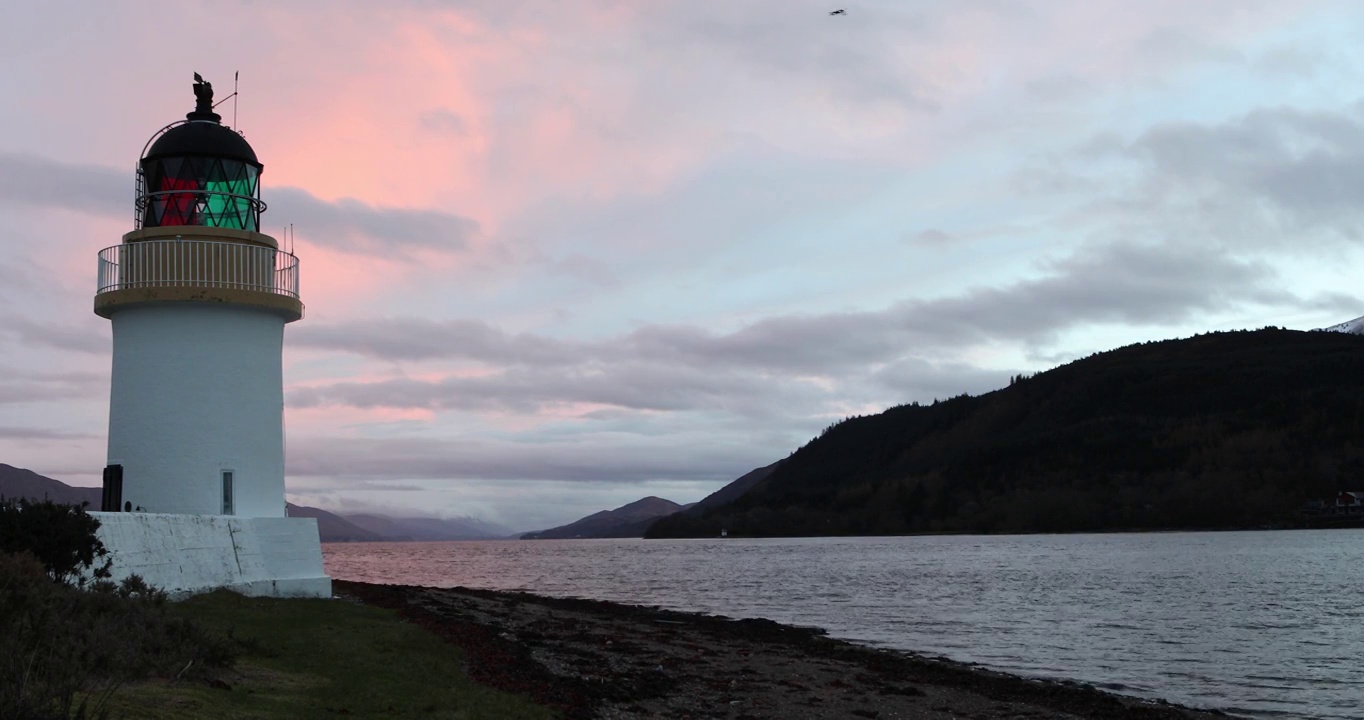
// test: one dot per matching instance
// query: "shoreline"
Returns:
(591, 659)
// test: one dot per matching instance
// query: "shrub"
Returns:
(64, 650)
(61, 537)
(39, 677)
(68, 642)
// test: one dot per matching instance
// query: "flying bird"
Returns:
(840, 11)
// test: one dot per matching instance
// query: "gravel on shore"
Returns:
(599, 660)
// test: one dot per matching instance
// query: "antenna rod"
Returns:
(235, 73)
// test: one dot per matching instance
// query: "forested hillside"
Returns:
(1221, 430)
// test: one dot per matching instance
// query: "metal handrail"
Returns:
(204, 193)
(197, 263)
(158, 134)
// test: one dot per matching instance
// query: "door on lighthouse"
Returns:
(227, 493)
(112, 496)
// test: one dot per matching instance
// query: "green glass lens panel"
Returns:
(228, 196)
(224, 209)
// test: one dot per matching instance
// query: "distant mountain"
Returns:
(1353, 327)
(1221, 430)
(428, 529)
(19, 483)
(332, 527)
(732, 491)
(630, 520)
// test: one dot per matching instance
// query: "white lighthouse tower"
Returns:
(199, 298)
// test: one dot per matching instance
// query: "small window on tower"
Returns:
(227, 492)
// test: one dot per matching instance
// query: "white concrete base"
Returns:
(190, 554)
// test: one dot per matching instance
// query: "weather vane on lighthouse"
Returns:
(198, 298)
(203, 95)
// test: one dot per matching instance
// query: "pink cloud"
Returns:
(336, 283)
(316, 420)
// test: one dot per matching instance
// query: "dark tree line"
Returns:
(1220, 430)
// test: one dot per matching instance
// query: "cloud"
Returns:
(1265, 150)
(29, 180)
(860, 57)
(1149, 284)
(1060, 88)
(584, 268)
(923, 380)
(804, 366)
(443, 122)
(930, 237)
(405, 338)
(1295, 62)
(635, 386)
(1251, 180)
(604, 458)
(353, 226)
(1177, 46)
(91, 338)
(41, 434)
(1155, 284)
(20, 386)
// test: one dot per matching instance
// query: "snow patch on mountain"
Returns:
(1353, 327)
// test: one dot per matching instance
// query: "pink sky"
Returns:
(557, 256)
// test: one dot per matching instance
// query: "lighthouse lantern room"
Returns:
(198, 299)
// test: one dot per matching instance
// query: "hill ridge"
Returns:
(628, 520)
(1232, 429)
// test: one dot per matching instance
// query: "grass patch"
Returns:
(306, 658)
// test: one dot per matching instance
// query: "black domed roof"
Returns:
(202, 134)
(202, 137)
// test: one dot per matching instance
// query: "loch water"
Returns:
(1259, 624)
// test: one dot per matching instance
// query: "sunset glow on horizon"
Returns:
(558, 257)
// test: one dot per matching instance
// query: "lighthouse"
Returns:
(199, 298)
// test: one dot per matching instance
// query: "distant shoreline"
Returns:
(593, 659)
(1352, 525)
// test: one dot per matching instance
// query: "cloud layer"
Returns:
(556, 258)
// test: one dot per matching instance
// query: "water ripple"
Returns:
(1258, 624)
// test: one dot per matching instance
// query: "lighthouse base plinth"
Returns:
(191, 554)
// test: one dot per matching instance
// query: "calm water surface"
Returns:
(1263, 624)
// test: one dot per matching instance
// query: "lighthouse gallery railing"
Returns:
(197, 263)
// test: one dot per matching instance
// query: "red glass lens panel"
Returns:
(179, 207)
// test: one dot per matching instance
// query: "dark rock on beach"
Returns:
(590, 659)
